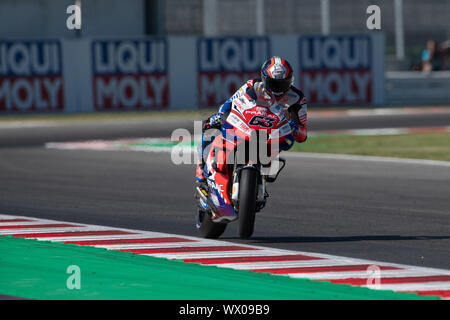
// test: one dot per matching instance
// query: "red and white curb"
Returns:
(295, 264)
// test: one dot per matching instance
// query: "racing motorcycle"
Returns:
(243, 157)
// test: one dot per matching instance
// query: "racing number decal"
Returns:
(261, 121)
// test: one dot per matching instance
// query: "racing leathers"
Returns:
(293, 103)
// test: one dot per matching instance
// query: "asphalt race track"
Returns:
(37, 135)
(391, 212)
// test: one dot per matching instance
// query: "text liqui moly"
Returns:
(130, 74)
(225, 64)
(31, 76)
(336, 69)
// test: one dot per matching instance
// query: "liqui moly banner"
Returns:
(336, 69)
(130, 74)
(31, 76)
(225, 64)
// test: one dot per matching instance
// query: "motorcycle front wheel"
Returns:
(248, 187)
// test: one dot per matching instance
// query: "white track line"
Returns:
(288, 264)
(365, 158)
(363, 274)
(110, 237)
(161, 245)
(22, 223)
(189, 255)
(216, 255)
(423, 286)
(49, 230)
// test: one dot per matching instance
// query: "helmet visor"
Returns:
(278, 86)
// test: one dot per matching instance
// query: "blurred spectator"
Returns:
(445, 52)
(430, 57)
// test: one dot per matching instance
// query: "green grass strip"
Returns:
(430, 146)
(37, 269)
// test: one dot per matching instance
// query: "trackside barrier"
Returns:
(417, 88)
(154, 73)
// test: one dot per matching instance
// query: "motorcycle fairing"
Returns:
(218, 183)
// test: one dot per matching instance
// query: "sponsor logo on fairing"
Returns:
(130, 74)
(336, 69)
(225, 64)
(31, 76)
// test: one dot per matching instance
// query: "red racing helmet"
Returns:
(277, 75)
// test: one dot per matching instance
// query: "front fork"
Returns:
(262, 193)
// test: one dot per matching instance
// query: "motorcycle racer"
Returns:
(274, 86)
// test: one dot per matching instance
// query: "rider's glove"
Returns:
(205, 125)
(294, 126)
(215, 120)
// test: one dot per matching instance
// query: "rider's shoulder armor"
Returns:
(294, 100)
(292, 97)
(250, 88)
(252, 82)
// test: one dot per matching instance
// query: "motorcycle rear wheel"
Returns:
(209, 229)
(248, 187)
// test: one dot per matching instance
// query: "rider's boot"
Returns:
(199, 174)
